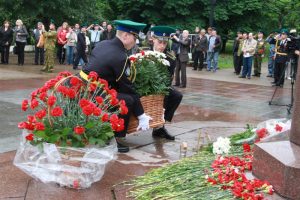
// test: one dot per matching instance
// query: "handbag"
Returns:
(41, 42)
(15, 50)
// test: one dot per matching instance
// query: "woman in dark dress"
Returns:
(6, 37)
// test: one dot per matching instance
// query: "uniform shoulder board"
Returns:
(171, 55)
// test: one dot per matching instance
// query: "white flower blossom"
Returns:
(221, 146)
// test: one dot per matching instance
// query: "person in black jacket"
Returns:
(237, 59)
(6, 37)
(109, 33)
(81, 48)
(110, 61)
(160, 37)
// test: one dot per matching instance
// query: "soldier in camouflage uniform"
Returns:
(50, 40)
(259, 54)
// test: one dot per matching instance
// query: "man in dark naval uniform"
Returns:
(109, 59)
(161, 35)
(281, 58)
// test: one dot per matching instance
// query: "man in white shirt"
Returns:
(95, 34)
(248, 49)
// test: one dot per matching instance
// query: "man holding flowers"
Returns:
(161, 36)
(110, 61)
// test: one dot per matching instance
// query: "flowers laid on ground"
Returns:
(221, 146)
(68, 111)
(229, 173)
(205, 176)
(151, 75)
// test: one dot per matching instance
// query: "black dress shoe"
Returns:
(273, 82)
(176, 85)
(162, 133)
(122, 148)
(182, 86)
(269, 75)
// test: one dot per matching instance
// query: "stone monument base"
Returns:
(277, 160)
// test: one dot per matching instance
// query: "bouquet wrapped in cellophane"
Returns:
(67, 138)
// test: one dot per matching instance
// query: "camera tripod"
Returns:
(293, 78)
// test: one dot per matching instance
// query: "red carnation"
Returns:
(113, 93)
(34, 94)
(31, 119)
(56, 112)
(247, 148)
(123, 110)
(64, 74)
(40, 114)
(51, 100)
(132, 59)
(29, 137)
(261, 133)
(22, 125)
(97, 111)
(79, 130)
(105, 117)
(75, 81)
(63, 89)
(99, 100)
(278, 128)
(25, 105)
(92, 87)
(114, 101)
(92, 76)
(88, 110)
(39, 126)
(143, 53)
(71, 93)
(34, 104)
(83, 102)
(103, 82)
(43, 96)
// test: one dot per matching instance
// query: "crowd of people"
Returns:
(70, 43)
(248, 48)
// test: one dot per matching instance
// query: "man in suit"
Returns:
(200, 45)
(182, 58)
(110, 61)
(237, 59)
(160, 38)
(81, 48)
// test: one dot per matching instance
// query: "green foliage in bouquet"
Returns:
(71, 112)
(152, 76)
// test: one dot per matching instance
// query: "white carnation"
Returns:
(221, 146)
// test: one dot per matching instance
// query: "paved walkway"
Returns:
(216, 103)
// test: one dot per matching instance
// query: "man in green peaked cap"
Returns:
(161, 36)
(110, 61)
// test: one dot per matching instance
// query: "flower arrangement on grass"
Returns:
(74, 113)
(151, 76)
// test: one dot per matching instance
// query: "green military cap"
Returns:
(284, 31)
(162, 32)
(129, 26)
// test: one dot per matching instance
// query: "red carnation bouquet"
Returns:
(71, 112)
(67, 138)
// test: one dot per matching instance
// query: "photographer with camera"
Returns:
(293, 45)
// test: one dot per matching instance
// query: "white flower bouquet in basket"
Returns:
(67, 139)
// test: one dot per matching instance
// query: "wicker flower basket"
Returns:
(154, 107)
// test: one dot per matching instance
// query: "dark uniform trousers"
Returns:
(5, 54)
(171, 103)
(130, 101)
(238, 62)
(279, 72)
